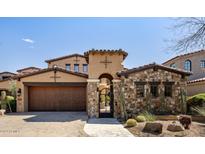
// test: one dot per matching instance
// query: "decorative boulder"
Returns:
(175, 127)
(2, 111)
(154, 128)
(185, 121)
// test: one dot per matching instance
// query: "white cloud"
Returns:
(28, 40)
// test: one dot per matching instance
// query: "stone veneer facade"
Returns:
(92, 98)
(135, 105)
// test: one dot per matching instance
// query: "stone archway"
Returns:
(106, 97)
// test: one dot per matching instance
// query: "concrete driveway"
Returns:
(43, 124)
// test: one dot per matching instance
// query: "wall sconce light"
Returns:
(19, 92)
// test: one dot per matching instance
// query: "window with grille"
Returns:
(67, 67)
(154, 86)
(187, 65)
(76, 67)
(140, 90)
(168, 90)
(202, 63)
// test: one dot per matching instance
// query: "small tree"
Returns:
(183, 101)
(5, 100)
(12, 88)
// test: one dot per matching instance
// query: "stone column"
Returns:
(93, 98)
(116, 93)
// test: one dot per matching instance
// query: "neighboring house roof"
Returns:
(64, 57)
(183, 55)
(196, 80)
(153, 66)
(20, 70)
(119, 51)
(50, 69)
(7, 73)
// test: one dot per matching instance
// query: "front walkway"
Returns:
(105, 127)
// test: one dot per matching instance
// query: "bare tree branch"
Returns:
(190, 34)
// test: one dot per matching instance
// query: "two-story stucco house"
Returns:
(95, 82)
(195, 63)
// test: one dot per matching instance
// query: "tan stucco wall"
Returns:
(22, 101)
(198, 72)
(96, 68)
(5, 84)
(195, 88)
(62, 63)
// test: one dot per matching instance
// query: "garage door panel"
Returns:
(56, 98)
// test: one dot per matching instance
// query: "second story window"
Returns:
(187, 65)
(76, 67)
(67, 67)
(85, 68)
(173, 65)
(202, 63)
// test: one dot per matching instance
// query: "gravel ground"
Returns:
(196, 130)
(43, 124)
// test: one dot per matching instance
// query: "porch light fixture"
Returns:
(19, 92)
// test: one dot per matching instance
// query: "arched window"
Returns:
(187, 65)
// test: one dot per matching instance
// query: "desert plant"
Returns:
(183, 101)
(199, 110)
(6, 101)
(131, 123)
(12, 88)
(195, 101)
(140, 118)
(148, 116)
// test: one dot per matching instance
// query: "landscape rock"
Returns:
(154, 128)
(185, 120)
(175, 127)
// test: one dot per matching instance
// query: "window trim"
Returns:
(154, 84)
(202, 63)
(66, 67)
(171, 83)
(173, 64)
(190, 62)
(85, 65)
(140, 83)
(75, 67)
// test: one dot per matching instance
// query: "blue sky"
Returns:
(28, 42)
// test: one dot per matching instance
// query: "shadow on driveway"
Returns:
(51, 116)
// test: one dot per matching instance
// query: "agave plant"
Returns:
(199, 110)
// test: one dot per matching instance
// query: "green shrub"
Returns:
(200, 111)
(195, 101)
(140, 118)
(148, 116)
(131, 123)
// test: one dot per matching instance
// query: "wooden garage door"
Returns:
(57, 98)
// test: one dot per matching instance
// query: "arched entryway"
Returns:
(106, 107)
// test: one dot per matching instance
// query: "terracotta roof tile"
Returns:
(154, 66)
(196, 80)
(64, 57)
(7, 73)
(195, 52)
(28, 68)
(119, 51)
(50, 69)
